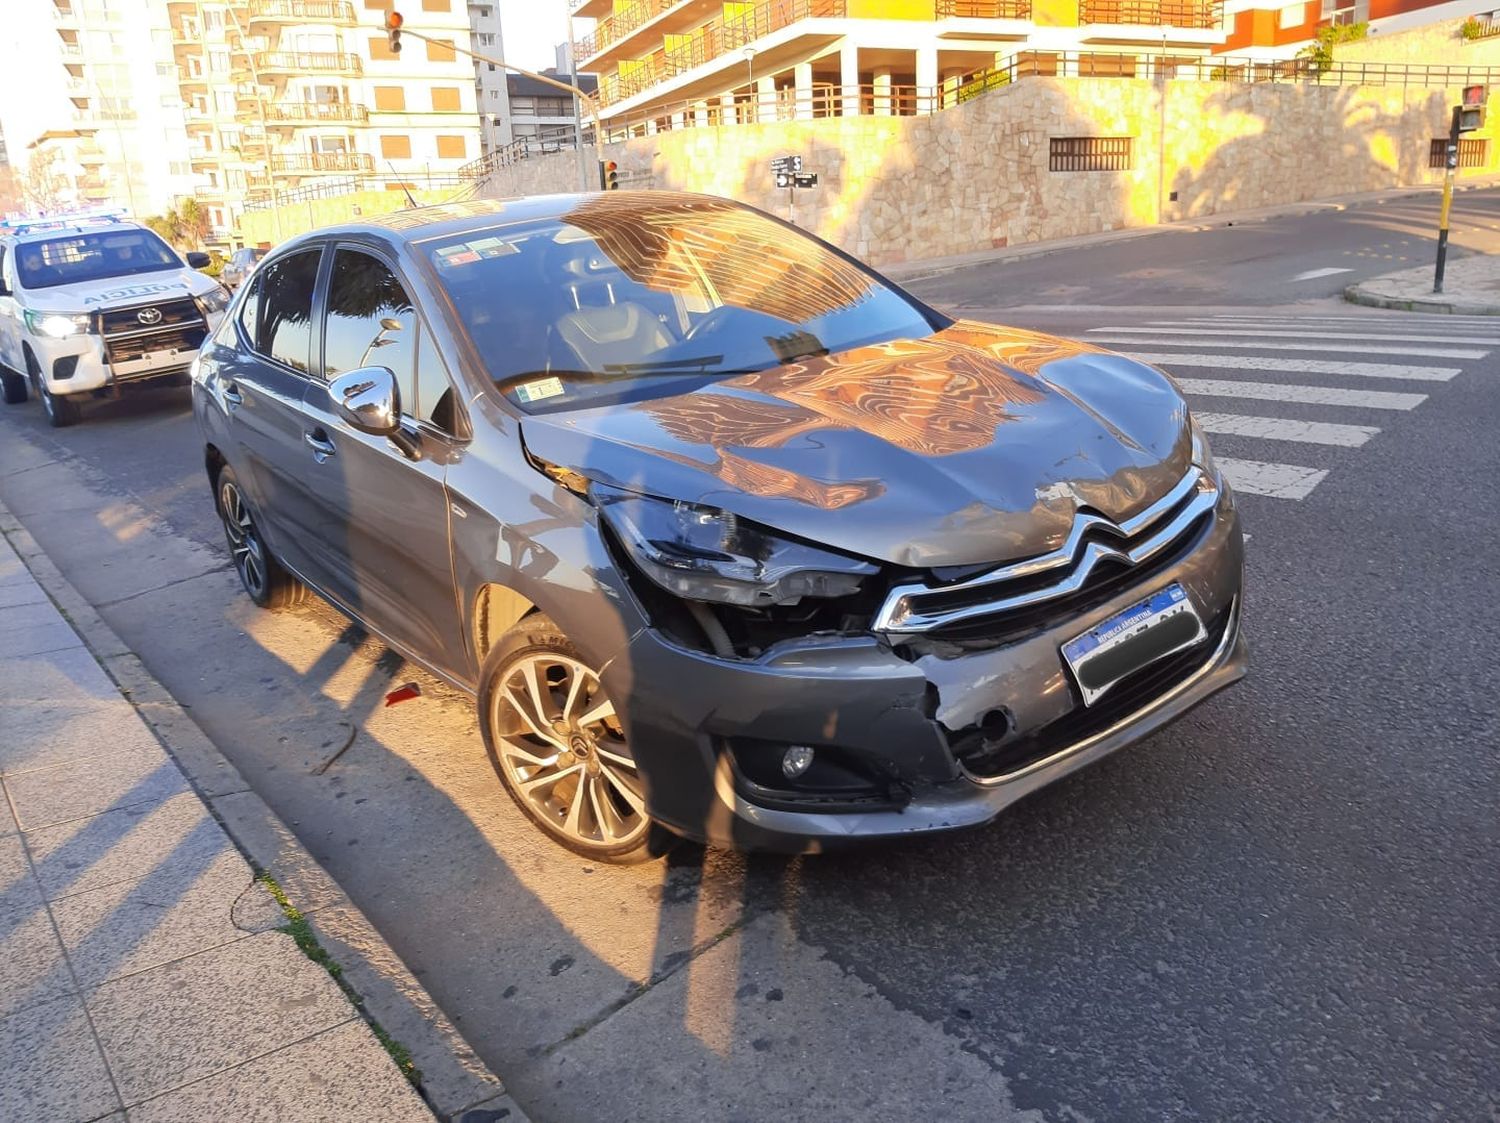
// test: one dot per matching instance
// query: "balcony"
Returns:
(315, 113)
(333, 13)
(71, 50)
(322, 163)
(1197, 14)
(984, 9)
(611, 29)
(188, 78)
(294, 63)
(65, 17)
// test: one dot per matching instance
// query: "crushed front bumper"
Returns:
(683, 709)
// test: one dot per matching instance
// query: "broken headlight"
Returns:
(703, 553)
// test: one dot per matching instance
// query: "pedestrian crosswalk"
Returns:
(1270, 385)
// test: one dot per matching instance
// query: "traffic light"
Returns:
(393, 22)
(609, 175)
(1471, 112)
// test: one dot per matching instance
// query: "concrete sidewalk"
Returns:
(1471, 287)
(145, 976)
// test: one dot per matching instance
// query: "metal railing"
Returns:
(612, 28)
(1203, 14)
(300, 62)
(522, 148)
(333, 188)
(985, 9)
(315, 112)
(305, 11)
(312, 163)
(881, 100)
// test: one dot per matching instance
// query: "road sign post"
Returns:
(1466, 118)
(788, 173)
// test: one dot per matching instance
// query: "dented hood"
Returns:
(975, 445)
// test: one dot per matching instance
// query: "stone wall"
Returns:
(976, 176)
(1436, 44)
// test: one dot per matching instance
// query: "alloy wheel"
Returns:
(244, 542)
(564, 752)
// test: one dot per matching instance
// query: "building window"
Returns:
(445, 99)
(441, 51)
(452, 148)
(380, 49)
(378, 5)
(1090, 154)
(390, 99)
(435, 6)
(1293, 15)
(395, 147)
(1471, 153)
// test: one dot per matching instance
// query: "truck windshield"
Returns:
(74, 258)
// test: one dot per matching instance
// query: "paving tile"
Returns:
(342, 1073)
(33, 615)
(35, 734)
(123, 845)
(52, 1067)
(58, 676)
(35, 970)
(88, 787)
(21, 592)
(17, 885)
(36, 638)
(176, 911)
(212, 1011)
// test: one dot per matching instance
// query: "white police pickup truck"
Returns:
(92, 304)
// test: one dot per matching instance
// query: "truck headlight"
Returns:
(58, 325)
(703, 553)
(215, 300)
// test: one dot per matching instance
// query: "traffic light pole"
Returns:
(588, 183)
(1452, 168)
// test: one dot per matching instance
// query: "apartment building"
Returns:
(543, 114)
(1266, 29)
(491, 91)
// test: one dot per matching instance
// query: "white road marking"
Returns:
(1306, 395)
(1280, 481)
(1298, 366)
(1329, 337)
(1314, 274)
(1286, 429)
(1258, 345)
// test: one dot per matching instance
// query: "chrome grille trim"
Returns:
(902, 613)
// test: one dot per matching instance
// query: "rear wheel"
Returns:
(14, 387)
(268, 584)
(558, 747)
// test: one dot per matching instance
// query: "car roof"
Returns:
(418, 224)
(25, 236)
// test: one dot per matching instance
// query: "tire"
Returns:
(263, 578)
(593, 804)
(14, 387)
(61, 411)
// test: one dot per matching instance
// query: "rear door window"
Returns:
(285, 294)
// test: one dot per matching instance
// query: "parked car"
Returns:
(91, 305)
(240, 265)
(728, 536)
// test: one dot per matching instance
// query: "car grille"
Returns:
(126, 339)
(1135, 692)
(1099, 558)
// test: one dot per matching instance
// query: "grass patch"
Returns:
(301, 932)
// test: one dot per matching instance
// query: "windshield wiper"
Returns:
(666, 365)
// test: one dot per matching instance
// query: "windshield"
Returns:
(73, 258)
(623, 300)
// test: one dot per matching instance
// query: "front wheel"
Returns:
(61, 411)
(558, 747)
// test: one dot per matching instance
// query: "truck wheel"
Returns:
(14, 386)
(60, 411)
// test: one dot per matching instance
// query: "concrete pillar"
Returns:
(882, 98)
(651, 126)
(927, 79)
(728, 113)
(802, 80)
(849, 80)
(679, 121)
(765, 99)
(700, 115)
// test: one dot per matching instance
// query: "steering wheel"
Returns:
(710, 323)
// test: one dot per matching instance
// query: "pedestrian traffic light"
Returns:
(609, 175)
(1471, 112)
(393, 22)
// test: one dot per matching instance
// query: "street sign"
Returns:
(783, 165)
(805, 179)
(783, 179)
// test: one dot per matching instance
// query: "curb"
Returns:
(1358, 294)
(455, 1083)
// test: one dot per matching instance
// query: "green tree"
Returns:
(1320, 53)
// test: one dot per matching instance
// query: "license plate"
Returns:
(1161, 625)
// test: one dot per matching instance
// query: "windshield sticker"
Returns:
(132, 290)
(530, 392)
(460, 254)
(492, 247)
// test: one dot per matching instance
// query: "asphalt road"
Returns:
(1282, 907)
(1281, 260)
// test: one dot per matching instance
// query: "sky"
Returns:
(533, 28)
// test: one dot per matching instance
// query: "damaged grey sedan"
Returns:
(728, 536)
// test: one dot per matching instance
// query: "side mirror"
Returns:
(197, 259)
(368, 399)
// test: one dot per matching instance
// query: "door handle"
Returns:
(231, 393)
(322, 447)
